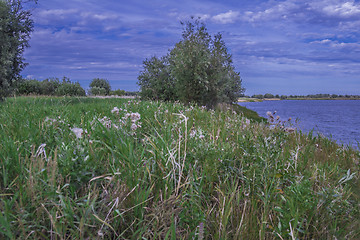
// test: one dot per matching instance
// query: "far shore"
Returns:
(278, 99)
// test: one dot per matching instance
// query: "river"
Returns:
(336, 119)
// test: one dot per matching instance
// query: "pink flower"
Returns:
(134, 117)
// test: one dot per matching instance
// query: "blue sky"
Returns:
(280, 47)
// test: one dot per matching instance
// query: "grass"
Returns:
(178, 172)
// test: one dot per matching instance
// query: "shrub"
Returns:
(155, 80)
(118, 92)
(49, 86)
(100, 83)
(29, 87)
(98, 91)
(70, 89)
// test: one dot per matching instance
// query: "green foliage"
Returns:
(30, 86)
(155, 80)
(198, 69)
(118, 92)
(98, 91)
(70, 89)
(86, 168)
(15, 29)
(99, 86)
(50, 87)
(269, 95)
(258, 96)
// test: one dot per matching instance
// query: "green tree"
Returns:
(155, 80)
(118, 92)
(15, 28)
(268, 95)
(30, 86)
(99, 83)
(70, 89)
(49, 86)
(198, 69)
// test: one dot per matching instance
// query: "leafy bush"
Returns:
(118, 92)
(70, 89)
(97, 83)
(198, 69)
(29, 87)
(97, 91)
(156, 81)
(49, 86)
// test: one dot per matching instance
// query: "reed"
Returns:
(83, 168)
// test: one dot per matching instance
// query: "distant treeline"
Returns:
(65, 87)
(310, 96)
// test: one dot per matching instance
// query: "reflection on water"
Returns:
(337, 119)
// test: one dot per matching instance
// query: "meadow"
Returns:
(85, 168)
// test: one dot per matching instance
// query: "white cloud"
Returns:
(347, 9)
(282, 10)
(100, 17)
(57, 12)
(228, 17)
(324, 41)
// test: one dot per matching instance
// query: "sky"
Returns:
(291, 47)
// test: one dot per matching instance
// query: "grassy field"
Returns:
(82, 168)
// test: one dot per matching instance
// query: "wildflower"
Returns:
(134, 126)
(289, 129)
(127, 115)
(78, 132)
(115, 110)
(201, 136)
(50, 120)
(106, 122)
(192, 133)
(134, 117)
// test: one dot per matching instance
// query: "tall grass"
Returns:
(77, 168)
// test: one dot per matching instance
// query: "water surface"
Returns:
(337, 119)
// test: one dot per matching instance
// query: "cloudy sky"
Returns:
(280, 47)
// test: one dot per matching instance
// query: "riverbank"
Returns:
(333, 118)
(85, 168)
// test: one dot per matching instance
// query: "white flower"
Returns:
(192, 133)
(269, 114)
(115, 110)
(78, 132)
(201, 136)
(50, 120)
